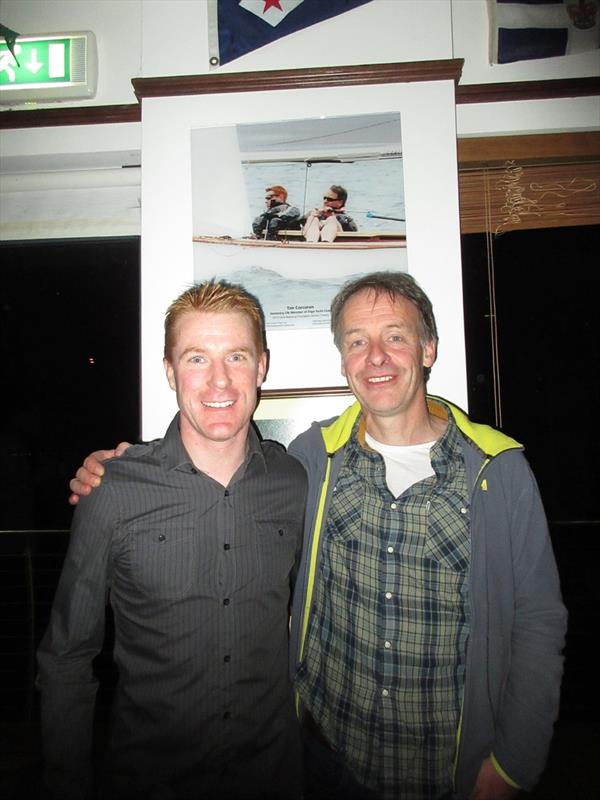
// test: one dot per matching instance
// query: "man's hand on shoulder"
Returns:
(89, 475)
(490, 785)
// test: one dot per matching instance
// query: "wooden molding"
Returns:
(306, 78)
(527, 90)
(73, 115)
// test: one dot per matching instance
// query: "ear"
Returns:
(170, 373)
(263, 361)
(429, 353)
(343, 366)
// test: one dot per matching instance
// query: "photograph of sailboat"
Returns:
(346, 167)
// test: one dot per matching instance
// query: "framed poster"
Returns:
(192, 187)
(268, 180)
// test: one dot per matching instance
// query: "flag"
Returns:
(236, 27)
(10, 37)
(527, 29)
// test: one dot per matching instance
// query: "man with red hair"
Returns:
(278, 214)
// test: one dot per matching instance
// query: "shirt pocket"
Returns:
(347, 518)
(448, 538)
(446, 554)
(164, 563)
(277, 544)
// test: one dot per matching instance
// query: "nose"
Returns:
(376, 355)
(219, 375)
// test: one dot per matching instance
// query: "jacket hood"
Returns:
(487, 439)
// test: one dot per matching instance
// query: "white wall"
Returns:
(147, 38)
(143, 38)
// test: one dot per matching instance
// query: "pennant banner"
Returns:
(525, 29)
(236, 27)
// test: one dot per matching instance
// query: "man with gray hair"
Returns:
(427, 620)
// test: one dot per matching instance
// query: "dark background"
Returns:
(71, 383)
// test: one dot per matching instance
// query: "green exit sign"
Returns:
(40, 61)
(51, 67)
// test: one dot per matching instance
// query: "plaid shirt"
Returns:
(384, 658)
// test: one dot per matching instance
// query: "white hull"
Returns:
(303, 260)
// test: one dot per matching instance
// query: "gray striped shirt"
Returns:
(199, 581)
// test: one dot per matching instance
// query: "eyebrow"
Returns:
(392, 326)
(201, 350)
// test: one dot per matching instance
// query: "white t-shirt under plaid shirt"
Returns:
(384, 658)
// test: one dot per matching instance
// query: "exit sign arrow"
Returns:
(33, 65)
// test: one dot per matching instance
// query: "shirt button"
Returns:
(390, 549)
(388, 595)
(387, 645)
(226, 546)
(394, 506)
(227, 715)
(161, 537)
(463, 510)
(385, 693)
(227, 659)
(226, 492)
(226, 601)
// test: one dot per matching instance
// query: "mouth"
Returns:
(380, 379)
(217, 404)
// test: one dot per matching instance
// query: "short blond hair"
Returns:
(216, 296)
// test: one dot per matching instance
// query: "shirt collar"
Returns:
(174, 455)
(446, 448)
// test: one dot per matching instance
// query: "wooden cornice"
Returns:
(527, 90)
(359, 75)
(72, 115)
(306, 78)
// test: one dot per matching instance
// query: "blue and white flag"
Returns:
(236, 27)
(526, 29)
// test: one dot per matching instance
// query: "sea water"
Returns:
(375, 188)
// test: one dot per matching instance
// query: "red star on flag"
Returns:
(273, 12)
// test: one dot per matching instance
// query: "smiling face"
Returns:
(215, 368)
(383, 358)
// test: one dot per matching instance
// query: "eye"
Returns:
(237, 357)
(197, 359)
